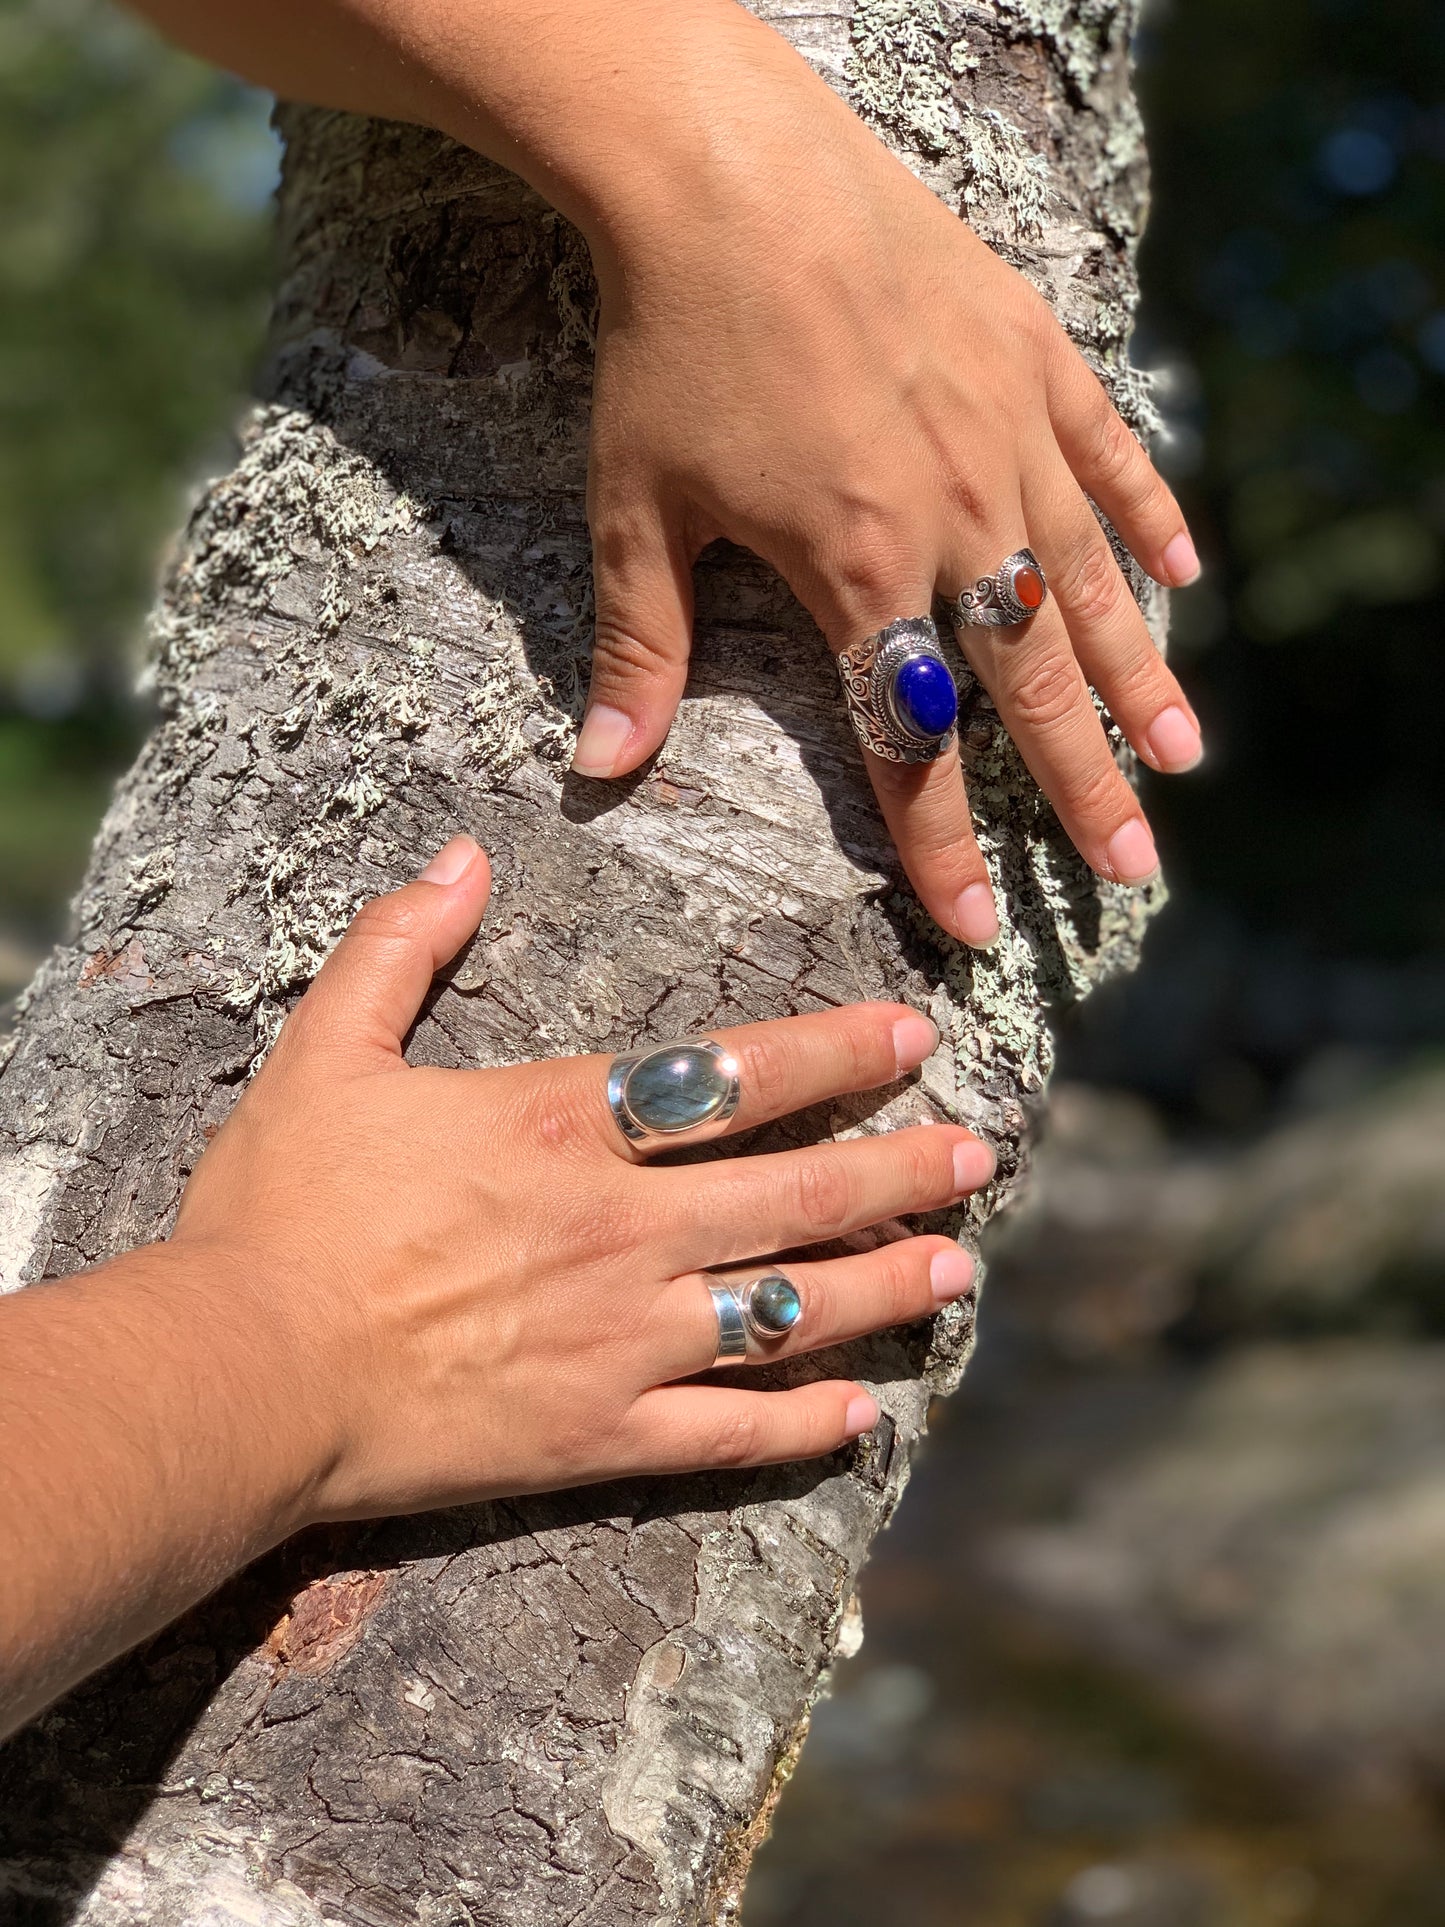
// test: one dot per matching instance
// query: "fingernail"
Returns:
(1174, 740)
(1131, 854)
(914, 1038)
(861, 1415)
(973, 1165)
(1181, 562)
(975, 918)
(453, 862)
(602, 739)
(950, 1273)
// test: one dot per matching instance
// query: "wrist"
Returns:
(640, 151)
(232, 1330)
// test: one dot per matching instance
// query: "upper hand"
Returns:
(811, 356)
(479, 1286)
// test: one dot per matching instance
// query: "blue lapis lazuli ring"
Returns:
(901, 696)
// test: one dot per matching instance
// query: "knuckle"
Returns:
(737, 1438)
(1116, 452)
(966, 492)
(766, 1073)
(1049, 694)
(618, 651)
(398, 918)
(865, 1053)
(930, 1168)
(875, 563)
(1092, 792)
(825, 1193)
(1142, 682)
(1092, 588)
(899, 1290)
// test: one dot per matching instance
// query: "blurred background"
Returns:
(1156, 1640)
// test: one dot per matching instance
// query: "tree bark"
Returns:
(375, 630)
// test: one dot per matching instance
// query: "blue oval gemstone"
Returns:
(675, 1089)
(924, 696)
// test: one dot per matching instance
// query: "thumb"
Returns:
(642, 587)
(367, 994)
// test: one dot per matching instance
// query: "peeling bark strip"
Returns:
(375, 629)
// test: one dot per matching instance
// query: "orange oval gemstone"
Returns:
(1028, 587)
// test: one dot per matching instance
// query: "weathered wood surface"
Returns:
(374, 630)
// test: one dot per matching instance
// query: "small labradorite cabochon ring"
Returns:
(1017, 589)
(763, 1309)
(674, 1094)
(771, 1305)
(901, 696)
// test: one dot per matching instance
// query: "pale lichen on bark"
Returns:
(573, 1709)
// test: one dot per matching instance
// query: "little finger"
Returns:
(696, 1428)
(1107, 629)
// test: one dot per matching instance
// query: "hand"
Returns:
(490, 1292)
(809, 355)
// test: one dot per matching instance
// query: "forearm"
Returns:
(149, 1446)
(605, 106)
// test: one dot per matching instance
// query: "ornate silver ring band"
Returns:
(901, 696)
(670, 1095)
(764, 1309)
(1015, 591)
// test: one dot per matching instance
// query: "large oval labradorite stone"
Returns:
(924, 696)
(677, 1088)
(775, 1304)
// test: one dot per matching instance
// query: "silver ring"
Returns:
(674, 1094)
(1016, 591)
(901, 696)
(732, 1331)
(764, 1309)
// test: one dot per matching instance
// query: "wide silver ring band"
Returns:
(732, 1328)
(994, 601)
(872, 674)
(667, 1096)
(763, 1309)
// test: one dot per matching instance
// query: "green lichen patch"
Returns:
(899, 72)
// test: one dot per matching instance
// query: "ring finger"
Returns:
(838, 1299)
(1038, 688)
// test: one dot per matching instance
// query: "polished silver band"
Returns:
(732, 1330)
(669, 1095)
(900, 693)
(1014, 593)
(765, 1309)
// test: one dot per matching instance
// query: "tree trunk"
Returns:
(374, 631)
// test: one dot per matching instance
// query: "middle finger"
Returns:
(718, 1213)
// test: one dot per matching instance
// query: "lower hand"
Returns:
(804, 351)
(485, 1289)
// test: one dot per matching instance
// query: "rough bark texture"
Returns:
(578, 1709)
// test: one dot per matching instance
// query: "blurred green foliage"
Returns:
(133, 263)
(1294, 277)
(1295, 301)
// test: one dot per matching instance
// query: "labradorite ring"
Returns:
(764, 1309)
(1016, 590)
(674, 1094)
(901, 696)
